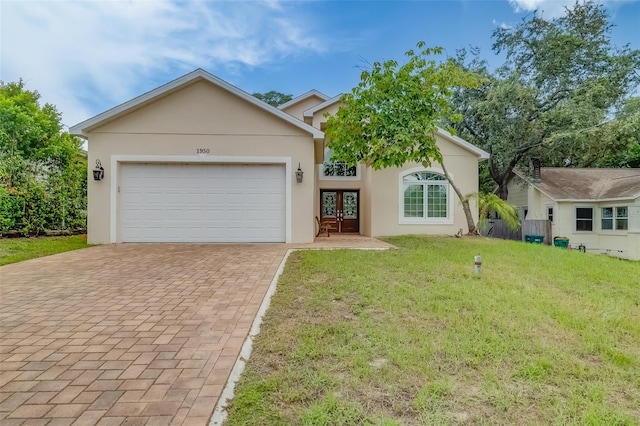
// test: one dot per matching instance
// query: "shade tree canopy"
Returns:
(562, 83)
(392, 115)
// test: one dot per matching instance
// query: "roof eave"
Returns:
(311, 111)
(481, 153)
(302, 97)
(81, 129)
(596, 200)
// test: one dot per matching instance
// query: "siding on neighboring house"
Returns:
(557, 191)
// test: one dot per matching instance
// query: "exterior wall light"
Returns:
(98, 171)
(299, 174)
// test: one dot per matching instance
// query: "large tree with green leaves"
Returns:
(392, 116)
(273, 97)
(621, 133)
(42, 169)
(555, 95)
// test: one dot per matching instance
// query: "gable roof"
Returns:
(303, 97)
(482, 154)
(569, 184)
(325, 104)
(82, 128)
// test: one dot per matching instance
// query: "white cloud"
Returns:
(503, 25)
(79, 54)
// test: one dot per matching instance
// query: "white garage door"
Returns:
(202, 203)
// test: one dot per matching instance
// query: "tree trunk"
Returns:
(465, 203)
(503, 191)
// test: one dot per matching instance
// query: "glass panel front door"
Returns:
(350, 204)
(329, 204)
(340, 209)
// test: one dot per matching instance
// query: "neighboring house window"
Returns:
(425, 198)
(622, 218)
(550, 214)
(336, 169)
(618, 214)
(607, 218)
(584, 219)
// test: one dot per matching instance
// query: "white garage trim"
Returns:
(117, 159)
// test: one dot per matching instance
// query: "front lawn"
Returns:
(14, 250)
(411, 336)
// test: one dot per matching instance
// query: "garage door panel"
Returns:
(202, 203)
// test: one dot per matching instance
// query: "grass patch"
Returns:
(14, 250)
(412, 336)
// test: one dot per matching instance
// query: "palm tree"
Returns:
(488, 203)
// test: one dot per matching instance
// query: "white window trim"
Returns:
(613, 231)
(321, 175)
(601, 218)
(594, 217)
(116, 160)
(429, 220)
(553, 208)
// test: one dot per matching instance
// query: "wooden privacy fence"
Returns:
(497, 229)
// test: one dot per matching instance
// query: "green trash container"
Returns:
(562, 242)
(535, 239)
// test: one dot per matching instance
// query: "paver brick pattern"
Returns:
(128, 333)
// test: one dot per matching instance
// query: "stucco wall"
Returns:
(298, 109)
(361, 185)
(385, 194)
(200, 116)
(319, 116)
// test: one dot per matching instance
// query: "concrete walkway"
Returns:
(135, 334)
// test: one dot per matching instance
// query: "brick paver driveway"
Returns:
(128, 333)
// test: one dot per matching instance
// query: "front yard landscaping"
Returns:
(412, 336)
(14, 250)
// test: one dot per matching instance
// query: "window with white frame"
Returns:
(622, 218)
(584, 219)
(615, 218)
(607, 218)
(336, 169)
(550, 213)
(425, 198)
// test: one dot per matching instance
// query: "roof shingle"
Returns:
(589, 184)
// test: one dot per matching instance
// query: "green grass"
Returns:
(412, 336)
(14, 250)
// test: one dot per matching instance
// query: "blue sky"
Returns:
(88, 56)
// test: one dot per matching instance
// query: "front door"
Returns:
(340, 209)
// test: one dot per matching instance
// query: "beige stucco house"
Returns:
(199, 160)
(596, 208)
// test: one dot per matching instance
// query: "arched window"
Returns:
(425, 198)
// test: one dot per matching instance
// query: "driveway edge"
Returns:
(220, 412)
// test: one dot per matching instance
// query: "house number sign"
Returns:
(203, 151)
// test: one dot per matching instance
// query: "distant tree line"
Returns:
(273, 97)
(43, 172)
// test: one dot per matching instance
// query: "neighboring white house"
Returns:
(598, 208)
